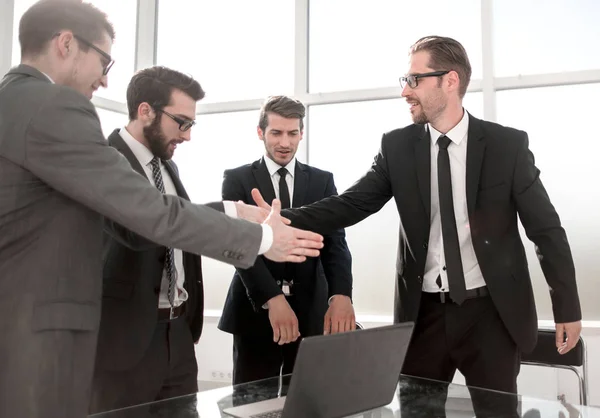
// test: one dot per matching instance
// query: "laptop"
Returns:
(339, 375)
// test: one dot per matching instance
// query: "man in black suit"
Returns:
(153, 300)
(459, 184)
(270, 304)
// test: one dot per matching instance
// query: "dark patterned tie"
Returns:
(454, 267)
(169, 256)
(284, 192)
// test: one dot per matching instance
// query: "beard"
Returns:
(429, 112)
(157, 141)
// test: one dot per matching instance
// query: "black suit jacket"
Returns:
(502, 182)
(132, 274)
(314, 280)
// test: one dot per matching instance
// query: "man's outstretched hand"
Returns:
(289, 244)
(254, 213)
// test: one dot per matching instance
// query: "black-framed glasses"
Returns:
(413, 79)
(109, 61)
(184, 124)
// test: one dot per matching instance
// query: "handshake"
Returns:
(289, 244)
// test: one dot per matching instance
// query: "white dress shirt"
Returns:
(272, 166)
(435, 265)
(145, 156)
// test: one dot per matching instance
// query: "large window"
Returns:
(343, 58)
(545, 36)
(363, 44)
(236, 49)
(566, 149)
(123, 16)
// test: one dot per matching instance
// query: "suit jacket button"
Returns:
(239, 257)
(420, 279)
(425, 246)
(278, 282)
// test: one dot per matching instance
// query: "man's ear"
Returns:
(65, 42)
(146, 113)
(260, 133)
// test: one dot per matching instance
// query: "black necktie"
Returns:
(454, 267)
(284, 192)
(169, 256)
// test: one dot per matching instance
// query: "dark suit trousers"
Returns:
(470, 338)
(257, 357)
(167, 369)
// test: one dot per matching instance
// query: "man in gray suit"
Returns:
(58, 179)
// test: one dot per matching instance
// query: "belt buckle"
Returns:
(172, 313)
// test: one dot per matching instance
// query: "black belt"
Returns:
(167, 314)
(444, 297)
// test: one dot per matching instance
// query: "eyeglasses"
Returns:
(109, 61)
(184, 124)
(413, 79)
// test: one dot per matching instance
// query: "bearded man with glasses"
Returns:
(153, 301)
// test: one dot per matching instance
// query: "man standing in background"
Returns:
(270, 304)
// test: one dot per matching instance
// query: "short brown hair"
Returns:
(446, 54)
(42, 21)
(155, 85)
(283, 106)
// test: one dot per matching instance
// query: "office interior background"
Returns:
(535, 64)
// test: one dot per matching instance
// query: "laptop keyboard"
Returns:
(272, 414)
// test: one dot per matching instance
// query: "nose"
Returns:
(406, 90)
(284, 141)
(104, 81)
(187, 135)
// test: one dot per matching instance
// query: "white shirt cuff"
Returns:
(331, 298)
(229, 207)
(267, 239)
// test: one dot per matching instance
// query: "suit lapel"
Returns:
(265, 185)
(423, 162)
(475, 153)
(175, 178)
(300, 184)
(116, 140)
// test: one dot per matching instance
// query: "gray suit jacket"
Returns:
(58, 179)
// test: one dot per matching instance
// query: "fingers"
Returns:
(285, 334)
(304, 252)
(307, 236)
(572, 340)
(295, 259)
(295, 331)
(327, 324)
(286, 221)
(335, 327)
(560, 332)
(276, 333)
(276, 207)
(258, 199)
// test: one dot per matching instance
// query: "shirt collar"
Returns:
(143, 154)
(49, 78)
(456, 134)
(272, 166)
